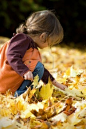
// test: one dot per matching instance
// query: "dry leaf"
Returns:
(46, 90)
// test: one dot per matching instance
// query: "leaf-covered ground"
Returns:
(45, 106)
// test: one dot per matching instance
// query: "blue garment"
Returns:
(39, 69)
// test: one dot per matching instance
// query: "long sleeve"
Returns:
(46, 76)
(16, 50)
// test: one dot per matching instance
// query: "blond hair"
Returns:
(42, 21)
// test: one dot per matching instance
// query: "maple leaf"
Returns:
(73, 92)
(27, 112)
(60, 117)
(35, 81)
(73, 119)
(5, 122)
(38, 124)
(71, 72)
(46, 90)
(82, 114)
(68, 126)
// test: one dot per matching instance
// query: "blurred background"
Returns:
(71, 13)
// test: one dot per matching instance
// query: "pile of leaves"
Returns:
(48, 107)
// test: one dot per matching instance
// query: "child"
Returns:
(20, 59)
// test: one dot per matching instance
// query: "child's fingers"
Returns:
(28, 76)
(31, 78)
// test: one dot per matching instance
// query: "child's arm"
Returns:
(61, 86)
(46, 76)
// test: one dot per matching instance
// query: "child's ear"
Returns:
(43, 37)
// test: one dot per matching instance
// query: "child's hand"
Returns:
(61, 86)
(28, 76)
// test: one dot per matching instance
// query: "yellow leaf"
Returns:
(6, 122)
(37, 124)
(71, 72)
(46, 90)
(31, 95)
(74, 92)
(27, 114)
(68, 126)
(73, 119)
(60, 117)
(84, 91)
(35, 81)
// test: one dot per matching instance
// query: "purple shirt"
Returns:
(19, 44)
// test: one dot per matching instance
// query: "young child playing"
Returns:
(20, 59)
